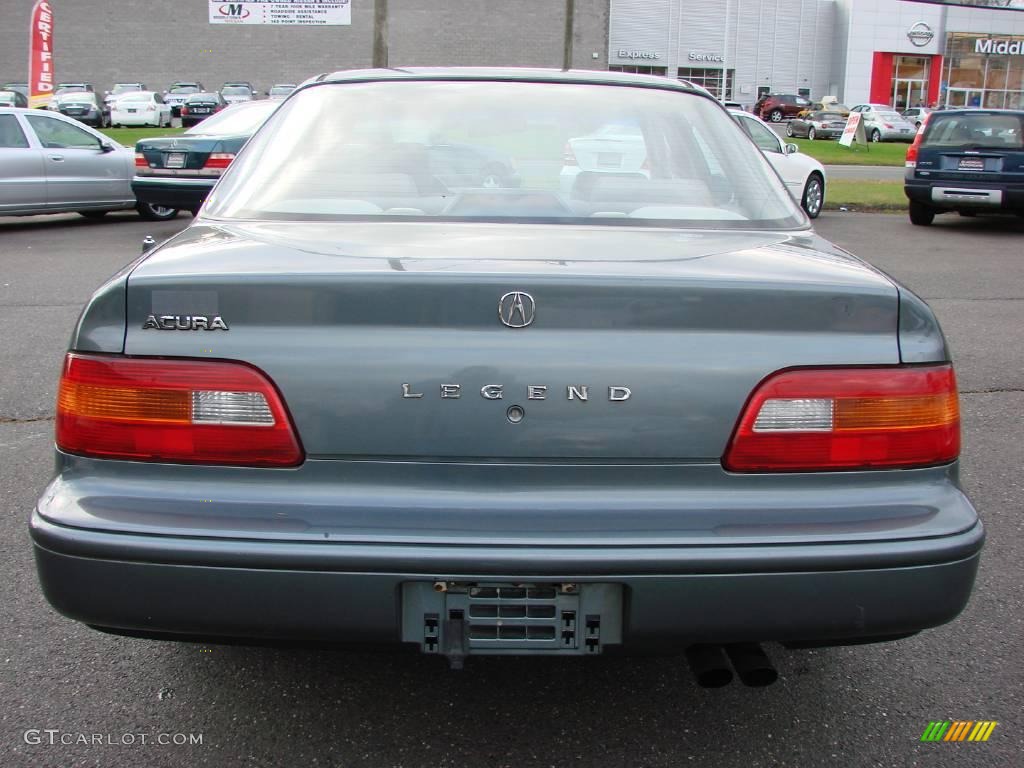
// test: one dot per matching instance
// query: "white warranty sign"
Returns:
(291, 12)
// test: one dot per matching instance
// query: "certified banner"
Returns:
(284, 12)
(40, 56)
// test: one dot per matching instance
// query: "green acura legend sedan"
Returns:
(365, 397)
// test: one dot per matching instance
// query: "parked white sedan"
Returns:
(141, 108)
(804, 176)
(50, 163)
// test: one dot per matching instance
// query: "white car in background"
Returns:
(617, 149)
(804, 176)
(120, 89)
(883, 123)
(140, 108)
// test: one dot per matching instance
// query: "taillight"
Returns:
(176, 411)
(218, 161)
(183, 110)
(848, 418)
(887, 125)
(568, 156)
(140, 160)
(915, 147)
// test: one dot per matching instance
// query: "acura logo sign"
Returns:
(517, 309)
(920, 34)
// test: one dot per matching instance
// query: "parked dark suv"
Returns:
(966, 160)
(776, 106)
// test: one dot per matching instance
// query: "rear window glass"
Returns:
(974, 130)
(239, 120)
(485, 151)
(132, 97)
(829, 116)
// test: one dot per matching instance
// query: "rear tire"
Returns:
(789, 130)
(920, 214)
(811, 133)
(151, 212)
(775, 116)
(814, 196)
(94, 215)
(876, 135)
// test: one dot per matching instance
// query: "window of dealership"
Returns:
(983, 71)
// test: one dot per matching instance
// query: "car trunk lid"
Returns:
(391, 340)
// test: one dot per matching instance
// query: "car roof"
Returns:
(977, 111)
(507, 74)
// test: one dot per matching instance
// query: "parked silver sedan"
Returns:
(50, 163)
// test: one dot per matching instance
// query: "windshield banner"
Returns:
(40, 56)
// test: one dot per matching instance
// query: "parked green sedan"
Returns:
(361, 400)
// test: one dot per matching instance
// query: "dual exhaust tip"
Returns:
(713, 665)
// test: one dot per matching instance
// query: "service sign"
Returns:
(283, 12)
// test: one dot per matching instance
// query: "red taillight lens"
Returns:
(183, 110)
(177, 411)
(218, 161)
(140, 160)
(912, 150)
(568, 156)
(848, 418)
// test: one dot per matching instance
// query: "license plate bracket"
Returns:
(971, 164)
(175, 160)
(457, 619)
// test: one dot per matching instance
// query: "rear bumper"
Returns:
(942, 194)
(350, 592)
(188, 194)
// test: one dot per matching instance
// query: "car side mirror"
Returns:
(790, 149)
(106, 146)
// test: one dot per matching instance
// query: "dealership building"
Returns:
(884, 51)
(891, 51)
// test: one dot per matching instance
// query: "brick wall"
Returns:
(103, 41)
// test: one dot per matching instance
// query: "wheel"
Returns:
(876, 135)
(814, 195)
(811, 133)
(151, 212)
(775, 116)
(789, 129)
(921, 214)
(93, 214)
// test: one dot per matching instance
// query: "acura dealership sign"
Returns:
(1000, 47)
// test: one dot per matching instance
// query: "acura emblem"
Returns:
(517, 309)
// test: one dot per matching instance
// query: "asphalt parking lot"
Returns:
(857, 706)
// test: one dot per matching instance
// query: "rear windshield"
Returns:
(236, 90)
(829, 116)
(481, 151)
(240, 120)
(185, 89)
(132, 97)
(126, 88)
(992, 131)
